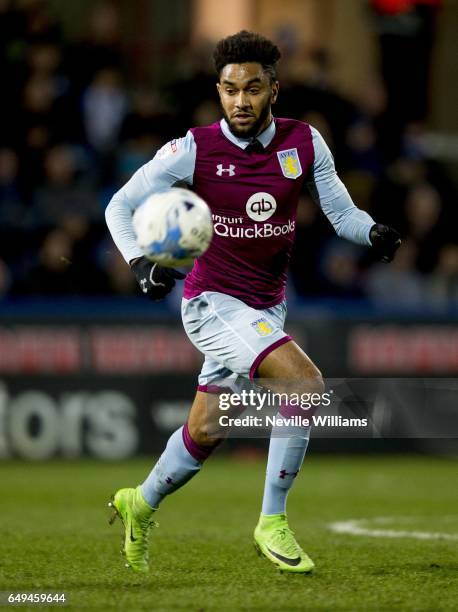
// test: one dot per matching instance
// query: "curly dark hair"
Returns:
(247, 47)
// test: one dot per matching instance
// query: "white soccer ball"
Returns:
(174, 227)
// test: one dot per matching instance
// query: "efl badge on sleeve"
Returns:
(290, 163)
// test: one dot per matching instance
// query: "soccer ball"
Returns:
(174, 227)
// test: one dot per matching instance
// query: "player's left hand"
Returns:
(385, 241)
(154, 280)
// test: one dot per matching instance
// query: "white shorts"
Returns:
(234, 337)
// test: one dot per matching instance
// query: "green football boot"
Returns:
(275, 540)
(135, 513)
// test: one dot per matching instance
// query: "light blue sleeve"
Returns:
(174, 162)
(331, 194)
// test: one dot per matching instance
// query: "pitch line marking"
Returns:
(357, 527)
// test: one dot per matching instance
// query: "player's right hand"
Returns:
(154, 280)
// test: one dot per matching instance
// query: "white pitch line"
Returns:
(355, 527)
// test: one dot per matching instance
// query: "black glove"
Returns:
(154, 280)
(385, 241)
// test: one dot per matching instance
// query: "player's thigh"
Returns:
(288, 365)
(287, 361)
(231, 333)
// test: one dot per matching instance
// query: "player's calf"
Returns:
(286, 370)
(182, 459)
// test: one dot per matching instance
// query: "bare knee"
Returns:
(202, 421)
(314, 382)
(200, 433)
(310, 377)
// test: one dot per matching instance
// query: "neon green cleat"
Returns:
(275, 540)
(135, 513)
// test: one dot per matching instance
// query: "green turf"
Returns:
(55, 537)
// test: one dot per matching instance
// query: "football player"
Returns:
(250, 168)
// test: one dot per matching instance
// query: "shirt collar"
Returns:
(265, 137)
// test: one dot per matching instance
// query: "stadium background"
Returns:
(93, 377)
(94, 89)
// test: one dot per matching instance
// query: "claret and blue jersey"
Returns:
(254, 211)
(253, 197)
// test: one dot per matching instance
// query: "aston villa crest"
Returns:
(262, 327)
(290, 163)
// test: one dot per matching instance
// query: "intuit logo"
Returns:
(265, 230)
(259, 207)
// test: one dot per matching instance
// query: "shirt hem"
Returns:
(189, 294)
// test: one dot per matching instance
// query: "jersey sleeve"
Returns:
(331, 194)
(174, 162)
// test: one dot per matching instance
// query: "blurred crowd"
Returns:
(75, 129)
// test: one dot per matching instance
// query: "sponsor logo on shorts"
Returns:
(261, 206)
(262, 327)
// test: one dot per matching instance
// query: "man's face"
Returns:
(246, 93)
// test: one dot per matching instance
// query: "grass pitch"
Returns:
(55, 537)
